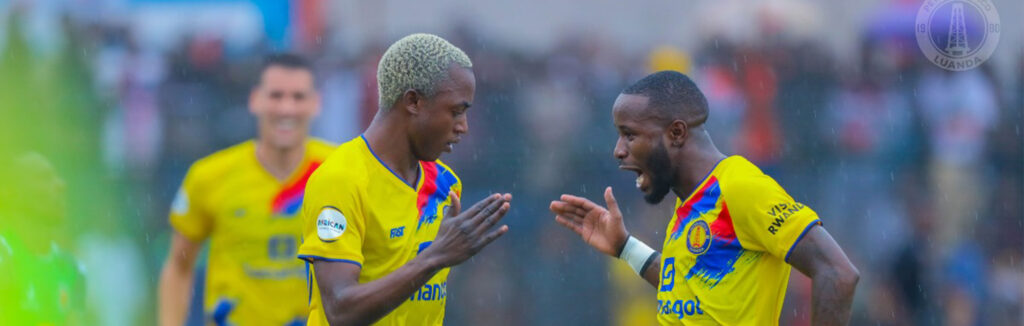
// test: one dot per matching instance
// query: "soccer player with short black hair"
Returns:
(245, 200)
(735, 232)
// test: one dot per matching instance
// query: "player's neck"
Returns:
(700, 160)
(389, 142)
(280, 162)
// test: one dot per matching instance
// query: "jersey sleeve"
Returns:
(334, 225)
(766, 218)
(189, 215)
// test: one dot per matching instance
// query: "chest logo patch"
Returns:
(330, 224)
(698, 237)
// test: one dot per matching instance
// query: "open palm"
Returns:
(601, 228)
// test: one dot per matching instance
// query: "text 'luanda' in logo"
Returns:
(957, 35)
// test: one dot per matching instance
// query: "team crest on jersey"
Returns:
(698, 237)
(330, 224)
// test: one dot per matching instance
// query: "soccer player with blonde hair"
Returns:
(382, 219)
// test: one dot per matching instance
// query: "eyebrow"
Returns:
(466, 104)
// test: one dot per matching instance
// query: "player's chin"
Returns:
(654, 195)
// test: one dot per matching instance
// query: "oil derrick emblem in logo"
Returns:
(957, 35)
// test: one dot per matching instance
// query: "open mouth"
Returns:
(641, 178)
(287, 124)
(449, 146)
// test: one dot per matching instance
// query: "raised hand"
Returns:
(462, 234)
(599, 227)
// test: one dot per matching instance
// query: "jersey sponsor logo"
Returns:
(330, 224)
(668, 274)
(397, 232)
(431, 292)
(780, 213)
(698, 237)
(282, 247)
(682, 308)
(180, 204)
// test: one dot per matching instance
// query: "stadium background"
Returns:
(915, 170)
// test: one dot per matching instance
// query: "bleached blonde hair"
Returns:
(418, 61)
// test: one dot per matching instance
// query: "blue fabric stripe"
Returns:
(413, 186)
(311, 258)
(802, 234)
(444, 182)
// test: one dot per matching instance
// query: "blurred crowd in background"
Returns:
(917, 171)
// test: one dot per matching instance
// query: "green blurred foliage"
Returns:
(55, 185)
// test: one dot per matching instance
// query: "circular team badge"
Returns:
(330, 224)
(698, 237)
(957, 35)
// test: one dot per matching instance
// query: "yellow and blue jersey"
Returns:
(357, 211)
(250, 218)
(725, 250)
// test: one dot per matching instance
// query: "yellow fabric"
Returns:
(357, 211)
(723, 260)
(250, 218)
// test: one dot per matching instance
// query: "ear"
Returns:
(677, 132)
(412, 101)
(315, 98)
(253, 94)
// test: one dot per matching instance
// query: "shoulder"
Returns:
(319, 148)
(739, 176)
(222, 160)
(345, 167)
(446, 174)
(444, 168)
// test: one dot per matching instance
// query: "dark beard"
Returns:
(661, 174)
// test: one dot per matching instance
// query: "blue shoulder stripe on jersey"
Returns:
(311, 258)
(802, 234)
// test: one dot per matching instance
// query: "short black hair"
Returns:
(673, 96)
(286, 60)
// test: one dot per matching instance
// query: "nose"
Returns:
(620, 152)
(288, 104)
(461, 125)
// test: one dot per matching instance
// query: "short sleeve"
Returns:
(189, 215)
(766, 218)
(333, 221)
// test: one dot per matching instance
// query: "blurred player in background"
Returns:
(735, 232)
(40, 283)
(245, 199)
(382, 221)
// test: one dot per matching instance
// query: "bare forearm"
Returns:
(175, 292)
(653, 272)
(363, 304)
(832, 295)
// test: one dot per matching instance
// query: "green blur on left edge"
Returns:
(55, 188)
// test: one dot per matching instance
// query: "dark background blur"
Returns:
(917, 171)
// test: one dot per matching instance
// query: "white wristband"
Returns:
(636, 254)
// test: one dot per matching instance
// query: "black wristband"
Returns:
(623, 247)
(650, 259)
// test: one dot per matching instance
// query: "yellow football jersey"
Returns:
(358, 211)
(252, 276)
(724, 256)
